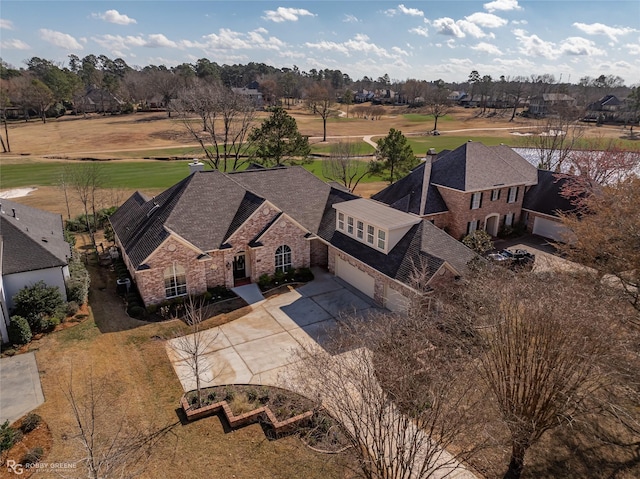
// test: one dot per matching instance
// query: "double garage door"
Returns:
(357, 278)
(549, 229)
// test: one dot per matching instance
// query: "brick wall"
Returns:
(460, 213)
(319, 252)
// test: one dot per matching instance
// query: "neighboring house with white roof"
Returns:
(32, 249)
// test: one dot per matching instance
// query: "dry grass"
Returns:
(130, 357)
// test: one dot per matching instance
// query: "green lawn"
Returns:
(361, 148)
(421, 144)
(419, 118)
(117, 174)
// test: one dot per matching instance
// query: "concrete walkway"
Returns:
(256, 348)
(249, 292)
(20, 388)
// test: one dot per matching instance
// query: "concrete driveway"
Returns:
(256, 348)
(20, 388)
(547, 257)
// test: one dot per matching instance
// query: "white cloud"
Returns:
(519, 22)
(580, 46)
(399, 51)
(601, 29)
(118, 43)
(6, 24)
(487, 20)
(633, 48)
(534, 46)
(487, 48)
(414, 12)
(158, 40)
(447, 26)
(422, 31)
(472, 29)
(14, 44)
(113, 16)
(503, 5)
(283, 14)
(59, 39)
(359, 44)
(350, 19)
(227, 39)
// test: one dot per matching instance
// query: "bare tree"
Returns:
(382, 380)
(110, 450)
(86, 180)
(437, 103)
(192, 347)
(64, 180)
(225, 122)
(343, 167)
(556, 138)
(515, 90)
(547, 349)
(320, 99)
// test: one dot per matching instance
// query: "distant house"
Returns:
(550, 103)
(478, 187)
(607, 108)
(215, 228)
(32, 249)
(99, 100)
(363, 96)
(252, 94)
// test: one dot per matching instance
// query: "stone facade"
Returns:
(319, 253)
(460, 212)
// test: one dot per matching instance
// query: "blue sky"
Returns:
(426, 40)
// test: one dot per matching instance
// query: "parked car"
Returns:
(513, 258)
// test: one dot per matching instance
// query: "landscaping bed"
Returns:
(282, 411)
(300, 275)
(27, 441)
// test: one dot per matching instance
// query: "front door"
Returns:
(239, 270)
(491, 225)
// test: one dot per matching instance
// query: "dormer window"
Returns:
(360, 229)
(382, 239)
(370, 230)
(341, 221)
(349, 225)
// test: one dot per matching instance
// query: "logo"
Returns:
(15, 467)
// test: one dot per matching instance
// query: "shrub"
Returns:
(72, 308)
(211, 396)
(304, 275)
(19, 330)
(152, 308)
(264, 281)
(8, 436)
(49, 323)
(30, 422)
(479, 241)
(278, 277)
(229, 394)
(33, 302)
(32, 456)
(78, 282)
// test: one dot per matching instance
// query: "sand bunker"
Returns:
(16, 192)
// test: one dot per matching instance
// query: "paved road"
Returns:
(20, 389)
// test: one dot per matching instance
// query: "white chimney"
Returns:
(195, 165)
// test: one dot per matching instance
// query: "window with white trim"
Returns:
(370, 231)
(341, 221)
(495, 195)
(508, 219)
(476, 200)
(382, 239)
(283, 258)
(360, 229)
(349, 225)
(513, 194)
(472, 226)
(175, 281)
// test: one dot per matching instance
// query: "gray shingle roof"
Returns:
(474, 166)
(545, 197)
(32, 240)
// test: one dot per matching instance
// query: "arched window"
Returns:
(283, 258)
(175, 281)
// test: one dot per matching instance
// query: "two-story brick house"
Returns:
(227, 229)
(472, 187)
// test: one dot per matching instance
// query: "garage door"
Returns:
(549, 229)
(394, 301)
(355, 277)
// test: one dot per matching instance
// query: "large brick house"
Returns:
(472, 187)
(216, 228)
